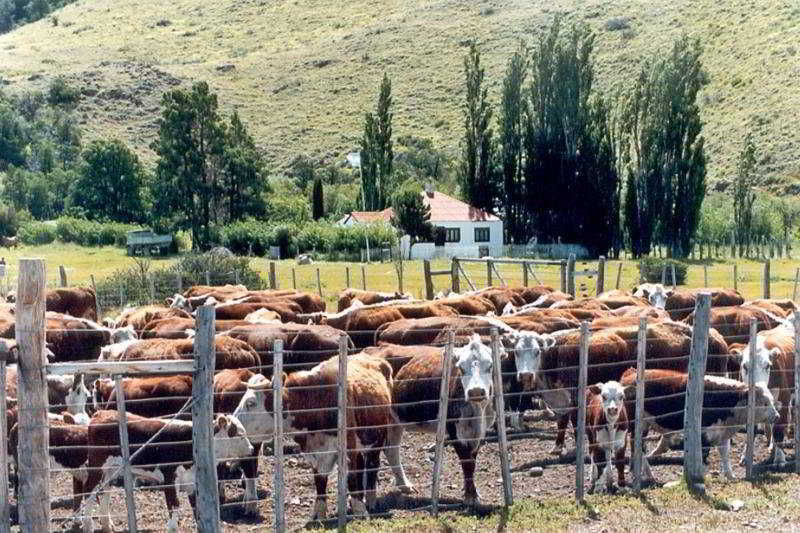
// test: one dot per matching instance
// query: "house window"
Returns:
(452, 235)
(481, 234)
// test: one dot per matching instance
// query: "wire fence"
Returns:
(383, 433)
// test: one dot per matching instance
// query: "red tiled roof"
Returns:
(444, 208)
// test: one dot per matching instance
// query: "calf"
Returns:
(229, 353)
(310, 398)
(64, 392)
(167, 460)
(469, 413)
(724, 409)
(606, 428)
(79, 302)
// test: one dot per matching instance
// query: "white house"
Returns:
(469, 231)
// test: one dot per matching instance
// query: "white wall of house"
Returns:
(466, 246)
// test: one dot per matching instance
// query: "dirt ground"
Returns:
(556, 483)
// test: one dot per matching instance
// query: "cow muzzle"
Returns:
(477, 394)
(527, 379)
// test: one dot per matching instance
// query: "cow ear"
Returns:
(68, 418)
(596, 388)
(549, 341)
(774, 353)
(221, 423)
(169, 301)
(232, 430)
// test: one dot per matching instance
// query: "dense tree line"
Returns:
(16, 12)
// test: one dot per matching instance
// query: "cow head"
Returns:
(509, 309)
(179, 302)
(658, 296)
(613, 396)
(474, 361)
(255, 409)
(123, 334)
(765, 405)
(230, 439)
(11, 297)
(760, 365)
(77, 396)
(528, 347)
(100, 390)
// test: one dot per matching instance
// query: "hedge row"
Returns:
(323, 238)
(76, 230)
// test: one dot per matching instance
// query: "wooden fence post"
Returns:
(400, 277)
(5, 507)
(236, 277)
(705, 276)
(319, 283)
(347, 277)
(641, 347)
(426, 272)
(125, 452)
(294, 279)
(341, 384)
(441, 422)
(735, 277)
(277, 407)
(33, 462)
(63, 273)
(751, 403)
(96, 299)
(273, 281)
(664, 274)
(601, 274)
(766, 278)
(208, 278)
(151, 283)
(499, 407)
(796, 393)
(619, 275)
(571, 275)
(796, 280)
(363, 278)
(674, 280)
(179, 282)
(206, 488)
(563, 275)
(455, 280)
(489, 279)
(580, 454)
(524, 273)
(693, 469)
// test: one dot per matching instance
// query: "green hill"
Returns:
(303, 72)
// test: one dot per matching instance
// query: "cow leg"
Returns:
(619, 459)
(373, 463)
(355, 482)
(777, 456)
(466, 454)
(171, 499)
(558, 447)
(250, 469)
(94, 477)
(320, 509)
(78, 481)
(593, 469)
(663, 446)
(394, 435)
(724, 450)
(105, 512)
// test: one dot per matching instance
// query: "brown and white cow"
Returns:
(230, 353)
(724, 409)
(168, 461)
(139, 317)
(679, 303)
(470, 410)
(347, 296)
(733, 322)
(616, 298)
(606, 431)
(182, 328)
(64, 393)
(309, 400)
(79, 302)
(148, 396)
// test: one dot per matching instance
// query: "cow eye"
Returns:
(251, 402)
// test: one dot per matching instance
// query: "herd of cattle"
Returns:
(396, 346)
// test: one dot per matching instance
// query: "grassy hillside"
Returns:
(302, 73)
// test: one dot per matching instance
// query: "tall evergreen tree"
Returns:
(243, 186)
(189, 148)
(317, 200)
(376, 151)
(744, 195)
(511, 130)
(664, 151)
(567, 144)
(477, 174)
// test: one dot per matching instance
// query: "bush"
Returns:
(11, 219)
(35, 232)
(650, 269)
(92, 233)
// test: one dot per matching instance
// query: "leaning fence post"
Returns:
(663, 274)
(273, 282)
(524, 273)
(499, 408)
(63, 273)
(751, 403)
(5, 507)
(294, 279)
(619, 274)
(455, 281)
(347, 276)
(277, 409)
(766, 278)
(363, 278)
(34, 437)
(125, 452)
(571, 275)
(341, 499)
(641, 347)
(206, 488)
(797, 393)
(319, 283)
(489, 279)
(441, 422)
(601, 274)
(692, 416)
(96, 298)
(426, 272)
(735, 277)
(580, 455)
(705, 276)
(563, 275)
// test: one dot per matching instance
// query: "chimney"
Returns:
(429, 189)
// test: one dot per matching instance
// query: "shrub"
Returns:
(34, 232)
(650, 269)
(11, 219)
(619, 23)
(92, 233)
(61, 93)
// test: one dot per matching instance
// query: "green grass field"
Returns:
(83, 262)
